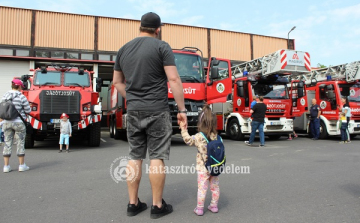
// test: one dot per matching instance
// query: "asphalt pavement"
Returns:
(286, 181)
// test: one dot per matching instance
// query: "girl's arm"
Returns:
(188, 139)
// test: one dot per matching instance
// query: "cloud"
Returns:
(193, 20)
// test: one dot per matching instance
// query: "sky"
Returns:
(329, 30)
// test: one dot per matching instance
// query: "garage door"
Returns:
(10, 69)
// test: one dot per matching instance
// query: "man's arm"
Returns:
(119, 82)
(319, 113)
(177, 90)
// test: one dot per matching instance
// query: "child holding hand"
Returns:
(207, 126)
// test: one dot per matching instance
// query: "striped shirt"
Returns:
(20, 102)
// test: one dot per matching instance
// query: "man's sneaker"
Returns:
(290, 138)
(247, 143)
(159, 212)
(342, 142)
(23, 168)
(349, 141)
(295, 136)
(7, 169)
(262, 146)
(133, 210)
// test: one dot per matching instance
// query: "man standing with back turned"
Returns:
(142, 68)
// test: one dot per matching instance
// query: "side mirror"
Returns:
(214, 73)
(98, 84)
(240, 89)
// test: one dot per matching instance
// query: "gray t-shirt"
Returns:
(142, 61)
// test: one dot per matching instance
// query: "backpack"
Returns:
(216, 156)
(8, 110)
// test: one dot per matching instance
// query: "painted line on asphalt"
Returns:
(102, 139)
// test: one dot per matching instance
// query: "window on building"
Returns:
(6, 52)
(72, 55)
(42, 54)
(104, 57)
(22, 53)
(87, 56)
(57, 54)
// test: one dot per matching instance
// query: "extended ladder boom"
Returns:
(283, 62)
(348, 72)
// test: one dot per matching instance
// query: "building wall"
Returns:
(114, 33)
(264, 45)
(60, 30)
(45, 33)
(230, 45)
(179, 36)
(15, 26)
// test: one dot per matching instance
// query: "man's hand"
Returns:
(70, 135)
(182, 120)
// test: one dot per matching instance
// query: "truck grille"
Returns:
(274, 127)
(191, 106)
(53, 103)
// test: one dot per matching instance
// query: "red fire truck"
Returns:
(58, 89)
(267, 76)
(197, 90)
(328, 86)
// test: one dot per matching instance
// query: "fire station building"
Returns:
(33, 38)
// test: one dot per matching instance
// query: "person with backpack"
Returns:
(207, 141)
(15, 127)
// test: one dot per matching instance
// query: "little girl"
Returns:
(206, 125)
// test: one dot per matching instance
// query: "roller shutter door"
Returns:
(10, 69)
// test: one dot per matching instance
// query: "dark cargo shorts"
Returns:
(149, 131)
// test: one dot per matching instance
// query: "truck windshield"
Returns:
(275, 91)
(76, 79)
(189, 67)
(49, 78)
(352, 91)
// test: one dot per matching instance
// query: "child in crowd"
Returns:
(343, 128)
(65, 131)
(206, 125)
(294, 133)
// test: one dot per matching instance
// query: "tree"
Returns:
(321, 65)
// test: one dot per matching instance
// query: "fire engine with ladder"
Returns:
(328, 86)
(58, 89)
(267, 76)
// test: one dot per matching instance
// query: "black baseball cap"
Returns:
(151, 20)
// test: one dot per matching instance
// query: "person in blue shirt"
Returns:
(255, 100)
(315, 112)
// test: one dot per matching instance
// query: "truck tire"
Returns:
(323, 131)
(274, 137)
(234, 130)
(117, 134)
(111, 130)
(94, 134)
(29, 141)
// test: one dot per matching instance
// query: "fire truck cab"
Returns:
(328, 86)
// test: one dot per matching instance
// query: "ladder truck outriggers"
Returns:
(328, 86)
(267, 76)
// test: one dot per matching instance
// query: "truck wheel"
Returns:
(117, 134)
(323, 131)
(234, 131)
(29, 141)
(111, 130)
(94, 134)
(274, 137)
